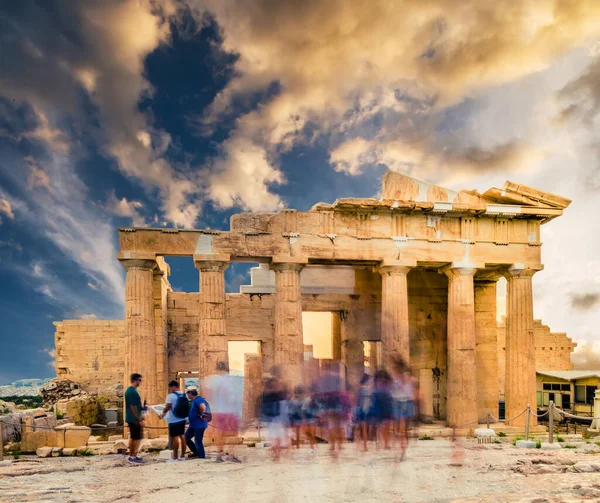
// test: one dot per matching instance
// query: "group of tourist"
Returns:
(383, 405)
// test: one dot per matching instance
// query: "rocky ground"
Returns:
(434, 471)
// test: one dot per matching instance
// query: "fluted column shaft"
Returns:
(289, 344)
(212, 328)
(140, 334)
(462, 380)
(395, 340)
(520, 347)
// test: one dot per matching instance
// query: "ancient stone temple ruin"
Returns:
(414, 272)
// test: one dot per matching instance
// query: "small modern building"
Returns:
(571, 390)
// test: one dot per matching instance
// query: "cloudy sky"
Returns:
(180, 113)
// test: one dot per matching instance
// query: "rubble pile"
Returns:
(55, 390)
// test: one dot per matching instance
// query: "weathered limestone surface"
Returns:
(90, 352)
(212, 342)
(520, 348)
(462, 378)
(394, 312)
(486, 350)
(289, 347)
(253, 373)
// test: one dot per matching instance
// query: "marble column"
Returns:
(461, 388)
(289, 344)
(486, 349)
(212, 329)
(520, 348)
(140, 333)
(395, 340)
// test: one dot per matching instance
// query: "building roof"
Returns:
(570, 375)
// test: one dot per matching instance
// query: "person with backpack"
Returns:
(177, 409)
(199, 417)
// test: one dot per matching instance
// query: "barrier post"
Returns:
(527, 416)
(487, 420)
(551, 422)
(1, 443)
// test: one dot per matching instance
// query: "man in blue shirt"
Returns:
(197, 425)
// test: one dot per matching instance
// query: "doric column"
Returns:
(140, 334)
(462, 381)
(520, 347)
(486, 350)
(289, 345)
(212, 329)
(394, 311)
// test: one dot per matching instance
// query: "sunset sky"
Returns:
(180, 113)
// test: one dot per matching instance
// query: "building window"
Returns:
(589, 394)
(546, 385)
(585, 394)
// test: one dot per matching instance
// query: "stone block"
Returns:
(70, 435)
(44, 452)
(159, 443)
(525, 444)
(39, 412)
(166, 454)
(119, 445)
(31, 441)
(56, 452)
(69, 451)
(114, 438)
(546, 446)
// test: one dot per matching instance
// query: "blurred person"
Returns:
(274, 411)
(361, 411)
(381, 410)
(404, 394)
(134, 418)
(311, 412)
(330, 396)
(219, 390)
(198, 422)
(175, 413)
(296, 413)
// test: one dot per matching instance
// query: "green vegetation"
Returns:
(538, 443)
(85, 452)
(60, 415)
(496, 441)
(425, 437)
(501, 434)
(597, 443)
(559, 438)
(570, 446)
(517, 438)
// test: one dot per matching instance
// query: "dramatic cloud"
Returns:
(377, 77)
(51, 56)
(6, 209)
(584, 301)
(128, 209)
(586, 357)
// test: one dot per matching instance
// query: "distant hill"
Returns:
(23, 387)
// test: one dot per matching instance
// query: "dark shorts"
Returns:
(136, 431)
(176, 429)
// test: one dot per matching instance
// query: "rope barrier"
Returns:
(541, 415)
(573, 416)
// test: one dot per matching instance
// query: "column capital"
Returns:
(522, 270)
(280, 263)
(388, 267)
(138, 263)
(211, 263)
(462, 268)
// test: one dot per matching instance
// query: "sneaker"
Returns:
(181, 458)
(233, 459)
(140, 460)
(134, 461)
(172, 460)
(219, 459)
(191, 455)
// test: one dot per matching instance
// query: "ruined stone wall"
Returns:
(428, 320)
(90, 352)
(552, 350)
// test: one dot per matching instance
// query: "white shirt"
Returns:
(220, 394)
(169, 416)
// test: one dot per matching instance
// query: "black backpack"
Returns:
(182, 406)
